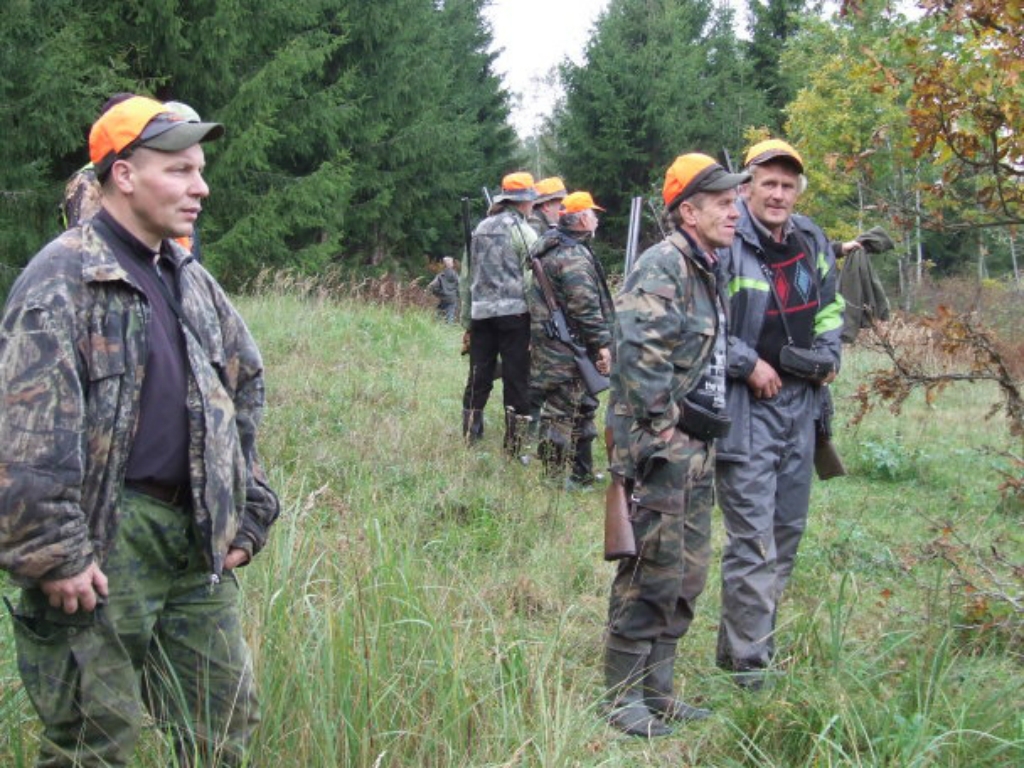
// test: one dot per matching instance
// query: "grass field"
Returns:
(421, 604)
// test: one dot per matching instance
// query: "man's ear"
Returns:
(802, 185)
(122, 176)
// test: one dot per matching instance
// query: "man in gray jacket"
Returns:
(784, 310)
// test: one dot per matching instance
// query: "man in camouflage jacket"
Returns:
(550, 193)
(494, 311)
(567, 429)
(664, 414)
(130, 577)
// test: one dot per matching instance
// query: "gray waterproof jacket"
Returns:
(749, 298)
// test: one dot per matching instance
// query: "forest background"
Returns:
(420, 604)
(354, 127)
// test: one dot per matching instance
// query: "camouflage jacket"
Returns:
(580, 290)
(666, 322)
(501, 245)
(82, 197)
(540, 222)
(72, 359)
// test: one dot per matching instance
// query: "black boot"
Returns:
(516, 430)
(472, 425)
(626, 708)
(583, 475)
(658, 687)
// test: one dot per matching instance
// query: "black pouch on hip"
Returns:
(805, 363)
(697, 421)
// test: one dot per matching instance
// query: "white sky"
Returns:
(536, 35)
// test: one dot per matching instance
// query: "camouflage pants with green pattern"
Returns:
(654, 595)
(166, 640)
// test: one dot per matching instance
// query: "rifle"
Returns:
(487, 197)
(467, 236)
(633, 234)
(557, 328)
(827, 461)
(467, 227)
(619, 541)
(728, 160)
(657, 218)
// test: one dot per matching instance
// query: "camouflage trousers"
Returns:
(654, 595)
(567, 429)
(166, 640)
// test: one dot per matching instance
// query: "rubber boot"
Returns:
(626, 708)
(516, 429)
(583, 463)
(472, 425)
(658, 687)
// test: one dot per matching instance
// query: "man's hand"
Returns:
(764, 381)
(850, 246)
(604, 361)
(465, 343)
(81, 592)
(235, 558)
(666, 434)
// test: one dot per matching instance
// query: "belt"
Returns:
(175, 495)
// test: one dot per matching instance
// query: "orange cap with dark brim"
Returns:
(143, 122)
(774, 149)
(693, 173)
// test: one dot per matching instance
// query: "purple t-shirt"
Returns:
(159, 451)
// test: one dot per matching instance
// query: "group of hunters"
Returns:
(131, 487)
(719, 348)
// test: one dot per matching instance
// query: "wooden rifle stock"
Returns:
(827, 461)
(619, 541)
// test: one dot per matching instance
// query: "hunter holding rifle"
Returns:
(568, 277)
(666, 409)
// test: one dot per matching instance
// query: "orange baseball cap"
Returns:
(143, 122)
(578, 201)
(770, 149)
(693, 173)
(551, 188)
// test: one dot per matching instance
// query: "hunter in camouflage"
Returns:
(494, 311)
(669, 355)
(567, 410)
(135, 585)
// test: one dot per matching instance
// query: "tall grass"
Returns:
(425, 604)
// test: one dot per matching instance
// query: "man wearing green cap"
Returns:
(130, 485)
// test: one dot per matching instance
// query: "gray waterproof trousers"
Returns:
(764, 505)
